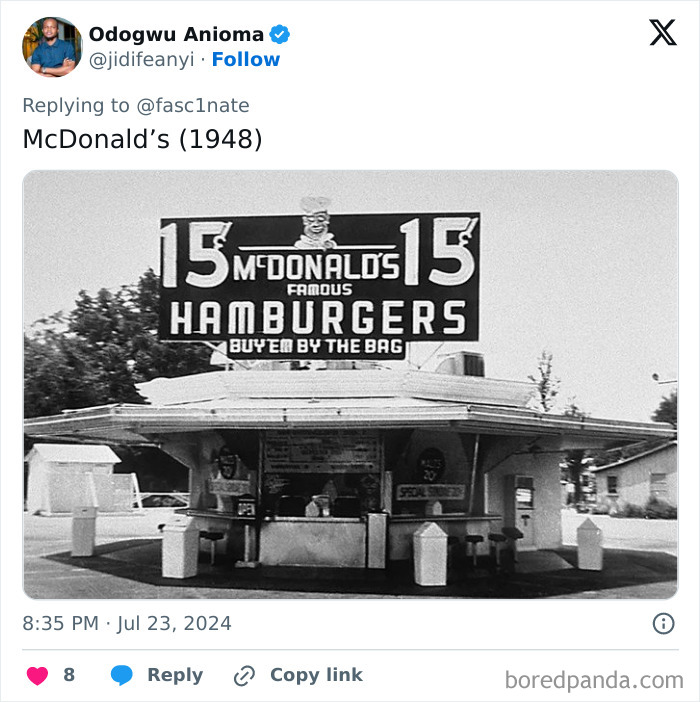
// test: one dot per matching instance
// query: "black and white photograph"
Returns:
(350, 384)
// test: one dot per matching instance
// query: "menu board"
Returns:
(347, 451)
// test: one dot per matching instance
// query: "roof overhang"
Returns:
(141, 423)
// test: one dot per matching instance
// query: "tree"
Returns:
(667, 411)
(573, 467)
(546, 385)
(58, 374)
(575, 460)
(99, 351)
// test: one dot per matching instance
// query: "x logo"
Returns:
(663, 32)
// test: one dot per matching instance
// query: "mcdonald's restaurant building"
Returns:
(341, 464)
(341, 467)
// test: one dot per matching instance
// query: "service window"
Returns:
(335, 494)
(321, 473)
(524, 492)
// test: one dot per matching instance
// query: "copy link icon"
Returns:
(244, 675)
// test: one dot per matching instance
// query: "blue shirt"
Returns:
(49, 56)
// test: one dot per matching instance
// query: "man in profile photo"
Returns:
(54, 57)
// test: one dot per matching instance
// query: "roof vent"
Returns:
(463, 363)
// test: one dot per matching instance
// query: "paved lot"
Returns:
(127, 565)
(635, 534)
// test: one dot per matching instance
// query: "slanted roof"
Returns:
(632, 459)
(75, 453)
(227, 386)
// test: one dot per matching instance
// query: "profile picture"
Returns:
(52, 47)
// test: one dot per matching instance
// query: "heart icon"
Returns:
(37, 675)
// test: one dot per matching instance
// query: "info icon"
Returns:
(663, 623)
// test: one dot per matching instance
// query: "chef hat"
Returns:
(312, 205)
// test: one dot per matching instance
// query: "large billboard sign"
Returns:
(312, 286)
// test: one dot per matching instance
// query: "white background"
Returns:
(372, 85)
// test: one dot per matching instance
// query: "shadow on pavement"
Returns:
(139, 560)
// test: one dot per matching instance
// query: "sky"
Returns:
(582, 264)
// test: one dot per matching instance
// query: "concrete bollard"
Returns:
(83, 532)
(180, 548)
(589, 539)
(430, 555)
